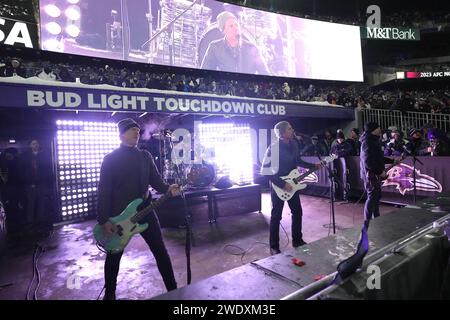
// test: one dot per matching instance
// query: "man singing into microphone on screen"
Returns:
(232, 53)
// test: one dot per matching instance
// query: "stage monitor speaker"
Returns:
(420, 270)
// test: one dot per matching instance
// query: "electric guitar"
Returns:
(295, 178)
(127, 224)
(373, 176)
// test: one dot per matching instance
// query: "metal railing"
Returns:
(406, 120)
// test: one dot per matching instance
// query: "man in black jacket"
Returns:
(36, 178)
(372, 168)
(125, 176)
(416, 146)
(232, 53)
(275, 166)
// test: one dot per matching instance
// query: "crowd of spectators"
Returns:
(358, 96)
(428, 18)
(425, 141)
(22, 10)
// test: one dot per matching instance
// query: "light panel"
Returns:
(229, 147)
(80, 148)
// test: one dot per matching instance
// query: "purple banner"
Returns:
(33, 93)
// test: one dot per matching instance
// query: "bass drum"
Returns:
(213, 33)
(201, 175)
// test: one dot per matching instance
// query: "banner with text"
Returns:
(87, 98)
(407, 34)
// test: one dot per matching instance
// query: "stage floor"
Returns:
(72, 266)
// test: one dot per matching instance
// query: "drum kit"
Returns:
(177, 46)
(197, 176)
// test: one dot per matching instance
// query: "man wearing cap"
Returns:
(316, 148)
(372, 163)
(125, 175)
(396, 146)
(416, 145)
(275, 166)
(341, 147)
(232, 53)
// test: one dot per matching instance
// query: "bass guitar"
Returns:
(127, 225)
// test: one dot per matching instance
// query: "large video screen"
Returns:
(203, 34)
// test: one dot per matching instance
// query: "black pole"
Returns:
(125, 30)
(414, 180)
(187, 221)
(330, 170)
(331, 177)
(414, 175)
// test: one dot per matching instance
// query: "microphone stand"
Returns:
(187, 220)
(414, 175)
(331, 176)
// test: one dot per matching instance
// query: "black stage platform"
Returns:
(276, 277)
(209, 204)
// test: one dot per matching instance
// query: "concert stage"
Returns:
(71, 267)
(277, 277)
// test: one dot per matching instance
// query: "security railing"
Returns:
(406, 120)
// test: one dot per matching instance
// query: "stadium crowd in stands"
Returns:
(354, 95)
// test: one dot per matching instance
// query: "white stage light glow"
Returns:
(73, 13)
(231, 150)
(77, 145)
(52, 10)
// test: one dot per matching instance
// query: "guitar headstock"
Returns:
(333, 157)
(329, 159)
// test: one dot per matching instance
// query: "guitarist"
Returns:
(125, 175)
(372, 162)
(288, 160)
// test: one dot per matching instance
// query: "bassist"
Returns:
(125, 175)
(277, 165)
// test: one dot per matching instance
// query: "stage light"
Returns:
(72, 30)
(51, 44)
(53, 28)
(230, 147)
(79, 150)
(52, 10)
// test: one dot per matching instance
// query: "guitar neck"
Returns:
(307, 173)
(144, 212)
(304, 175)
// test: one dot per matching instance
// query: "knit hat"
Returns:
(126, 124)
(356, 130)
(413, 131)
(370, 126)
(222, 19)
(340, 135)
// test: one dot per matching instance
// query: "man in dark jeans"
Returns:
(280, 159)
(372, 168)
(36, 177)
(125, 175)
